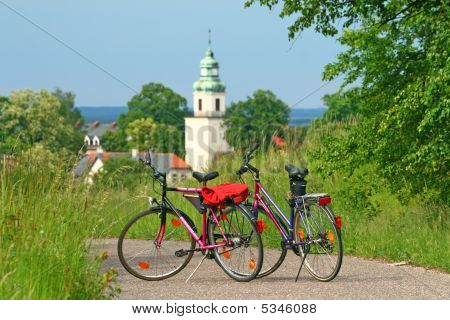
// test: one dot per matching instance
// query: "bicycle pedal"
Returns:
(181, 253)
(210, 255)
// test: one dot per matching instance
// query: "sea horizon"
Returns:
(108, 114)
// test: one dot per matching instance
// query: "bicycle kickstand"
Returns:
(301, 265)
(196, 268)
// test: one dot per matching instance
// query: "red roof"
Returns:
(175, 163)
(278, 141)
(178, 163)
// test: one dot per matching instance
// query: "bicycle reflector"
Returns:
(324, 200)
(251, 264)
(225, 253)
(338, 221)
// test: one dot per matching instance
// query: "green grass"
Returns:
(47, 221)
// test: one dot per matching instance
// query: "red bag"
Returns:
(216, 195)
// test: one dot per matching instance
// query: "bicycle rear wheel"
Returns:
(148, 243)
(242, 256)
(316, 226)
(274, 249)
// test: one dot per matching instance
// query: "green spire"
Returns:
(209, 72)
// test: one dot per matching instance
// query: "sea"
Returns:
(299, 117)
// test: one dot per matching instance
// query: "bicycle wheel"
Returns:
(316, 226)
(242, 256)
(274, 248)
(149, 242)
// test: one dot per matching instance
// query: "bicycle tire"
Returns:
(243, 258)
(161, 262)
(326, 241)
(273, 243)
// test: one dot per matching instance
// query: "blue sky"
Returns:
(158, 41)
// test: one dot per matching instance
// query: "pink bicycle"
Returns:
(158, 243)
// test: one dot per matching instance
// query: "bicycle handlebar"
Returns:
(247, 158)
(242, 170)
(253, 149)
(160, 176)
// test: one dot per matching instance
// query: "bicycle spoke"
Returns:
(156, 262)
(324, 258)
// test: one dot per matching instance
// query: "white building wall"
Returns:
(209, 104)
(203, 139)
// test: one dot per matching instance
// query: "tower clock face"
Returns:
(215, 72)
(203, 72)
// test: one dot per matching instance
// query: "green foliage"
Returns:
(255, 119)
(31, 117)
(3, 100)
(146, 133)
(398, 51)
(122, 172)
(115, 140)
(155, 119)
(157, 102)
(341, 105)
(404, 98)
(67, 110)
(326, 16)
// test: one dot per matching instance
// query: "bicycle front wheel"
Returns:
(240, 253)
(155, 246)
(273, 243)
(315, 225)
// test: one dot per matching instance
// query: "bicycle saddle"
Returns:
(203, 177)
(295, 172)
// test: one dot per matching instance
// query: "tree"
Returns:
(31, 117)
(115, 140)
(155, 119)
(146, 133)
(399, 51)
(67, 110)
(341, 105)
(255, 119)
(158, 102)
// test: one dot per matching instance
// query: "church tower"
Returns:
(204, 136)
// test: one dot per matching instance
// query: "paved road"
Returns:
(358, 279)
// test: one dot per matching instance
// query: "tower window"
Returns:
(199, 104)
(217, 104)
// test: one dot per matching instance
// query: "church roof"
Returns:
(208, 61)
(209, 80)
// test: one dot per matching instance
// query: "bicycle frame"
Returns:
(201, 241)
(258, 199)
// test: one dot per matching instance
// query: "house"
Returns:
(94, 132)
(174, 166)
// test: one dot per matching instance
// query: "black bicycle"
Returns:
(159, 242)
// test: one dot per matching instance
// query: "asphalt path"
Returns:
(358, 279)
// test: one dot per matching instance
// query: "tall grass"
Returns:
(47, 222)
